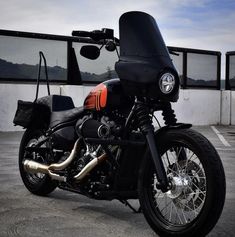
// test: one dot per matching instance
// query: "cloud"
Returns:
(185, 23)
(61, 16)
(205, 24)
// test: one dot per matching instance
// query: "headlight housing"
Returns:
(167, 83)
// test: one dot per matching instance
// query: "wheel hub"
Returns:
(179, 185)
(187, 185)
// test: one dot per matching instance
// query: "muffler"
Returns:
(91, 128)
(35, 167)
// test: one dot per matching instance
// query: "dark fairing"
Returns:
(143, 56)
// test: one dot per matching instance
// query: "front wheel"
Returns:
(195, 200)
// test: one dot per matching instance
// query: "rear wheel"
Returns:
(195, 201)
(40, 184)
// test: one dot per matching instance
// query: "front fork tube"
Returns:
(163, 183)
(140, 110)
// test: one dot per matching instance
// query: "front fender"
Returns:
(164, 129)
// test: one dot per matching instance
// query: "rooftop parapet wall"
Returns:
(199, 107)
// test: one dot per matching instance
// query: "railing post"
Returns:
(73, 72)
(218, 81)
(227, 68)
(185, 63)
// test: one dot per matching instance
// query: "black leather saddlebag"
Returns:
(31, 113)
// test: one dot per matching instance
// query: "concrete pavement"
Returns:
(68, 214)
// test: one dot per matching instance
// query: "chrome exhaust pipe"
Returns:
(36, 167)
(65, 163)
(90, 166)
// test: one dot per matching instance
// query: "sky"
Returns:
(201, 24)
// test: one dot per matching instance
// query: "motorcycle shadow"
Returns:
(110, 213)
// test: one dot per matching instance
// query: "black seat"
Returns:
(65, 116)
(61, 109)
(57, 102)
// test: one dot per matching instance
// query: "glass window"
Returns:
(201, 70)
(178, 63)
(19, 58)
(97, 70)
(232, 71)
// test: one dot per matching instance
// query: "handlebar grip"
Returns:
(81, 33)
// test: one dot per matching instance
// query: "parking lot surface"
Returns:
(67, 214)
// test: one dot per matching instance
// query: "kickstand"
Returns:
(126, 203)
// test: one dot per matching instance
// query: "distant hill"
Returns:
(86, 76)
(26, 71)
(200, 82)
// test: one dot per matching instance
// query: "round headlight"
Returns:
(167, 83)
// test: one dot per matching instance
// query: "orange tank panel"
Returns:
(97, 98)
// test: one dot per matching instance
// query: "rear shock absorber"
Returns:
(169, 114)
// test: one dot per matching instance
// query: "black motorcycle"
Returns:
(109, 149)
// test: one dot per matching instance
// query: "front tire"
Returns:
(195, 202)
(39, 184)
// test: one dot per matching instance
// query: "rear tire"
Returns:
(194, 204)
(39, 184)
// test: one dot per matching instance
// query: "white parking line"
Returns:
(220, 136)
(224, 149)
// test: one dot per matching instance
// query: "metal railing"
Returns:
(230, 71)
(208, 73)
(197, 68)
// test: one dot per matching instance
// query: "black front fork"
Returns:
(163, 183)
(145, 123)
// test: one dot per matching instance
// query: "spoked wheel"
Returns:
(183, 202)
(195, 200)
(38, 183)
(34, 178)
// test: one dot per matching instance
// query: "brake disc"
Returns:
(189, 186)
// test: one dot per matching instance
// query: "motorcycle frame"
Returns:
(126, 174)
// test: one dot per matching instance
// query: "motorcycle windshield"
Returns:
(140, 36)
(143, 57)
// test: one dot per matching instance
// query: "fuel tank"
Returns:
(108, 95)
